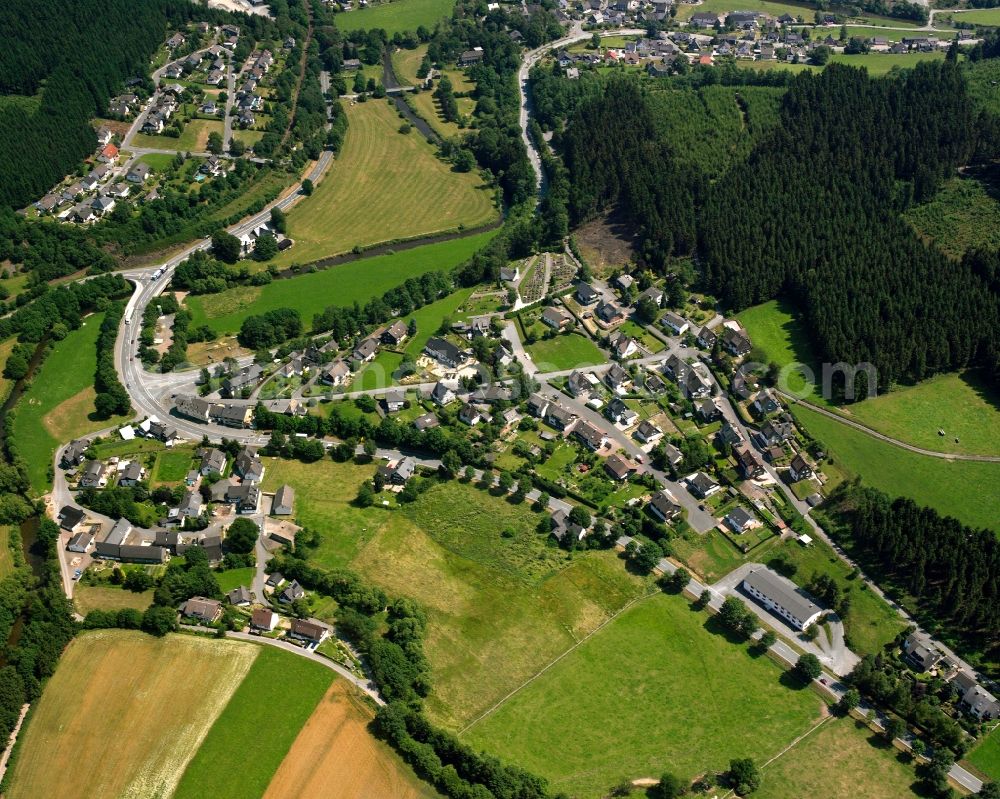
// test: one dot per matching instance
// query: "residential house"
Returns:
(131, 474)
(193, 408)
(707, 410)
(702, 486)
(108, 154)
(444, 352)
(212, 460)
(704, 19)
(80, 543)
(593, 438)
(92, 475)
(610, 313)
(556, 318)
(736, 343)
(799, 468)
(470, 57)
(537, 405)
(618, 468)
(203, 609)
(783, 597)
(284, 501)
(231, 414)
(263, 620)
(395, 334)
(622, 346)
(508, 274)
(426, 421)
(138, 173)
(765, 403)
(579, 383)
(623, 281)
(980, 703)
(774, 433)
(706, 338)
(647, 432)
(749, 463)
(470, 415)
(69, 517)
(336, 373)
(492, 394)
(676, 323)
(559, 417)
(620, 413)
(240, 596)
(616, 378)
(365, 351)
(740, 520)
(664, 507)
(74, 453)
(398, 472)
(241, 380)
(309, 631)
(587, 294)
(921, 653)
(442, 395)
(249, 466)
(274, 580)
(292, 592)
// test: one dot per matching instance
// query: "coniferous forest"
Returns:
(813, 213)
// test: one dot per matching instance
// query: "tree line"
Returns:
(112, 399)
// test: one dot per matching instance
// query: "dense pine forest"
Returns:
(805, 204)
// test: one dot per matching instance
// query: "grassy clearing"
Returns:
(566, 351)
(158, 162)
(954, 488)
(652, 691)
(385, 185)
(396, 17)
(842, 758)
(962, 405)
(234, 578)
(805, 10)
(309, 294)
(983, 78)
(962, 216)
(986, 756)
(405, 63)
(335, 754)
(6, 556)
(882, 63)
(59, 402)
(265, 713)
(108, 597)
(172, 465)
(115, 719)
(194, 137)
(495, 616)
(980, 16)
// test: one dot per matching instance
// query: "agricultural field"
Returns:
(59, 404)
(112, 681)
(336, 755)
(659, 688)
(963, 215)
(804, 10)
(311, 293)
(193, 139)
(953, 488)
(841, 758)
(385, 185)
(499, 608)
(276, 697)
(979, 16)
(985, 758)
(565, 351)
(396, 17)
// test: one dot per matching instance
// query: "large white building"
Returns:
(782, 597)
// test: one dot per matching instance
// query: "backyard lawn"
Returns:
(396, 17)
(172, 465)
(385, 185)
(652, 691)
(565, 351)
(953, 488)
(264, 715)
(309, 294)
(58, 405)
(234, 578)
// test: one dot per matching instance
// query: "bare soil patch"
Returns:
(335, 755)
(606, 242)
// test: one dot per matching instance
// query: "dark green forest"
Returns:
(806, 205)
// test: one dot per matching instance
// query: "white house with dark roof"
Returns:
(783, 597)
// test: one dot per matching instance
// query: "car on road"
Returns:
(77, 574)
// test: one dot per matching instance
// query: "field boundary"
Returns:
(553, 662)
(948, 456)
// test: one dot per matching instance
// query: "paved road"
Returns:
(365, 685)
(888, 439)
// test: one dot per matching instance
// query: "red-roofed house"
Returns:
(108, 153)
